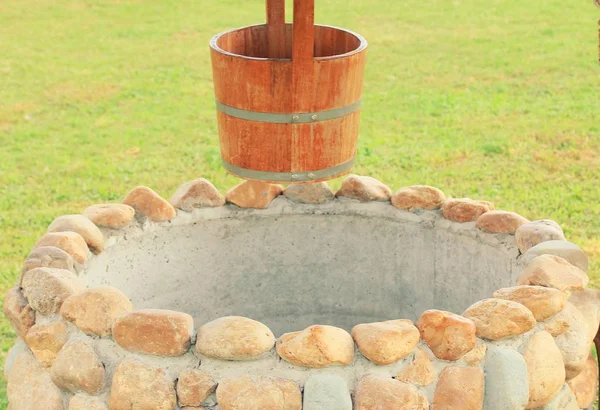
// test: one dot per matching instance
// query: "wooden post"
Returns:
(276, 28)
(303, 46)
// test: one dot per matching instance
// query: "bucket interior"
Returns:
(253, 41)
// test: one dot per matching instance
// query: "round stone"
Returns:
(84, 402)
(465, 209)
(258, 393)
(386, 342)
(77, 368)
(81, 225)
(46, 340)
(193, 387)
(497, 319)
(542, 302)
(419, 371)
(48, 257)
(459, 388)
(148, 203)
(70, 242)
(386, 393)
(585, 385)
(574, 343)
(530, 234)
(318, 193)
(18, 312)
(114, 216)
(234, 338)
(253, 194)
(554, 272)
(500, 222)
(199, 193)
(418, 197)
(364, 189)
(566, 250)
(326, 392)
(30, 387)
(449, 336)
(47, 288)
(506, 380)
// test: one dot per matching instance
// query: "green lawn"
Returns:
(493, 99)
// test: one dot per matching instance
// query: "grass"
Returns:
(494, 99)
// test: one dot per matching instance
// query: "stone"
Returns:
(83, 226)
(113, 216)
(317, 346)
(258, 393)
(585, 385)
(575, 343)
(253, 194)
(364, 189)
(465, 209)
(70, 242)
(418, 197)
(459, 388)
(498, 319)
(30, 387)
(18, 312)
(234, 338)
(326, 392)
(378, 393)
(500, 222)
(136, 386)
(566, 250)
(419, 371)
(48, 257)
(553, 272)
(545, 368)
(386, 342)
(95, 310)
(154, 331)
(193, 387)
(317, 193)
(564, 400)
(199, 193)
(530, 234)
(83, 402)
(148, 203)
(46, 340)
(449, 336)
(541, 301)
(476, 356)
(587, 301)
(47, 288)
(506, 382)
(77, 368)
(556, 325)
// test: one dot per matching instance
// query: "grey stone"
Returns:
(564, 400)
(506, 380)
(566, 250)
(326, 392)
(318, 193)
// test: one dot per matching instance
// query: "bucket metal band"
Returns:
(277, 118)
(289, 176)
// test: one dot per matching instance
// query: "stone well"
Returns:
(277, 299)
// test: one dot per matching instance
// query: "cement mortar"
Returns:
(294, 265)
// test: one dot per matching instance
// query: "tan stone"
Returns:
(199, 193)
(585, 385)
(556, 325)
(77, 368)
(497, 319)
(136, 386)
(114, 216)
(364, 189)
(541, 301)
(47, 288)
(418, 197)
(500, 222)
(317, 193)
(258, 393)
(465, 209)
(575, 343)
(587, 301)
(386, 342)
(18, 312)
(154, 331)
(30, 387)
(545, 368)
(83, 402)
(95, 310)
(378, 393)
(70, 242)
(449, 336)
(459, 388)
(81, 225)
(193, 387)
(48, 257)
(476, 356)
(317, 346)
(46, 340)
(150, 204)
(234, 338)
(253, 194)
(530, 234)
(419, 371)
(553, 272)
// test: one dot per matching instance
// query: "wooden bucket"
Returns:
(288, 97)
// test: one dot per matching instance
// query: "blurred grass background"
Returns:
(495, 100)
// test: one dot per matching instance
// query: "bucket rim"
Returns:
(362, 46)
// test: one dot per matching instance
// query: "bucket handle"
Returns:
(303, 40)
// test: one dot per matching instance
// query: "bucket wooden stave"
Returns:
(288, 113)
